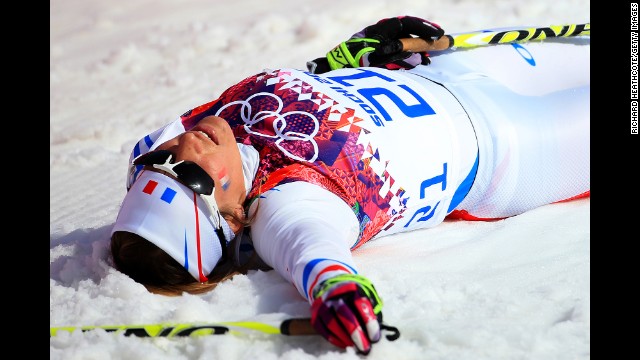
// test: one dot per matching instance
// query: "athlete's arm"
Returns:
(304, 232)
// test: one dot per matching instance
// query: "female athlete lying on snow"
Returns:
(310, 165)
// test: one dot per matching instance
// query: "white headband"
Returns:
(174, 218)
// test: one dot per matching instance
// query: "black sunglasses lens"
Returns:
(194, 177)
(152, 157)
(189, 173)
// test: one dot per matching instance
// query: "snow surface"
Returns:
(512, 289)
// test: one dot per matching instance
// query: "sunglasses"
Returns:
(192, 176)
(189, 173)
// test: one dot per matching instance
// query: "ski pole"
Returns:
(484, 38)
(291, 327)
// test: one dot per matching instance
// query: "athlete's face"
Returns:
(211, 145)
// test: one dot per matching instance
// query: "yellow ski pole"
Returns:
(484, 38)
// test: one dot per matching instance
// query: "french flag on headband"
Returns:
(167, 195)
(174, 218)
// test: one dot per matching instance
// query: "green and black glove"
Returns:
(379, 45)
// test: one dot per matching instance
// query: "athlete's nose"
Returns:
(189, 147)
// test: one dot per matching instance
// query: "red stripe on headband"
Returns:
(195, 209)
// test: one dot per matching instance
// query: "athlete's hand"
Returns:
(347, 311)
(379, 45)
(389, 31)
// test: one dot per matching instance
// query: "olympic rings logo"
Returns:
(251, 118)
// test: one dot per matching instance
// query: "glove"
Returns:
(347, 311)
(379, 45)
(389, 31)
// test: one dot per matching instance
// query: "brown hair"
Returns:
(152, 267)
